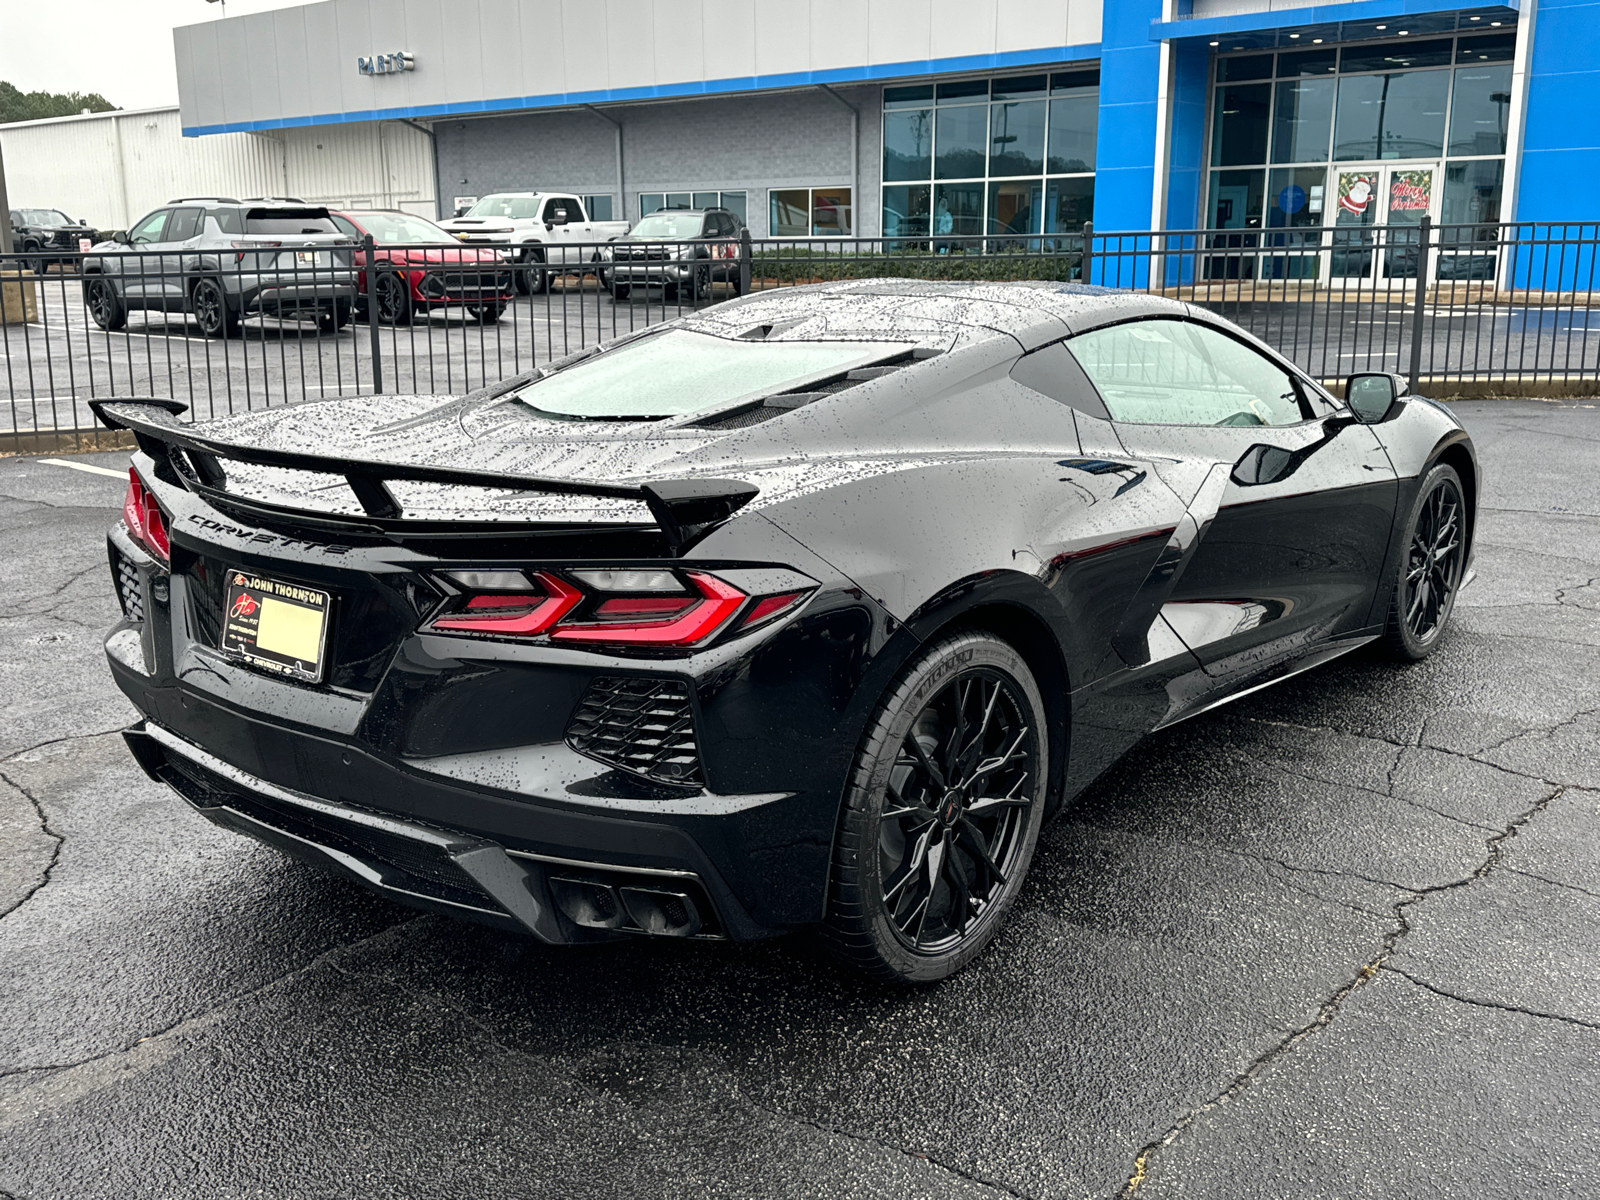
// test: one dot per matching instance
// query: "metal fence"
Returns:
(256, 326)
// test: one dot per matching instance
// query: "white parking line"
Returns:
(92, 469)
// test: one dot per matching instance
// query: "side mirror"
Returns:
(1371, 397)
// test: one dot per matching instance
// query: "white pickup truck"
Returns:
(538, 228)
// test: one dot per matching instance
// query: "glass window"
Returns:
(1074, 122)
(1480, 110)
(962, 138)
(790, 212)
(1302, 121)
(831, 212)
(705, 200)
(1500, 47)
(958, 209)
(1253, 66)
(1170, 372)
(395, 228)
(905, 210)
(346, 226)
(1307, 62)
(679, 372)
(149, 229)
(1016, 138)
(1015, 207)
(227, 219)
(649, 202)
(734, 202)
(967, 91)
(1295, 196)
(1391, 116)
(185, 224)
(1068, 204)
(1472, 191)
(598, 207)
(1240, 128)
(668, 224)
(560, 210)
(1071, 81)
(288, 221)
(515, 208)
(1391, 55)
(908, 144)
(1237, 199)
(908, 97)
(1024, 87)
(680, 200)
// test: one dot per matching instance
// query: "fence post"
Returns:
(744, 261)
(367, 249)
(1422, 299)
(1086, 265)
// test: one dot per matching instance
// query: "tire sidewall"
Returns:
(1407, 642)
(865, 798)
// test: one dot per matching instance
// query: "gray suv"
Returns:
(222, 260)
(680, 250)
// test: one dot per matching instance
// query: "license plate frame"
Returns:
(296, 617)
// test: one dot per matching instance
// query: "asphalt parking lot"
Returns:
(1338, 939)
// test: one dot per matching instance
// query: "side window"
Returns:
(228, 220)
(560, 209)
(184, 225)
(149, 229)
(1169, 372)
(346, 226)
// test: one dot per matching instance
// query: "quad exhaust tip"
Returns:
(656, 911)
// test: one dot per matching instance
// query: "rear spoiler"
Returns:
(684, 509)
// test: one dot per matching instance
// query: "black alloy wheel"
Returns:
(210, 307)
(393, 299)
(105, 307)
(333, 317)
(1431, 566)
(942, 812)
(700, 282)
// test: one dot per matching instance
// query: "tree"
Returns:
(17, 105)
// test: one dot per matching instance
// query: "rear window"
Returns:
(678, 372)
(288, 221)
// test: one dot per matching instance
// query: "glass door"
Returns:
(1394, 195)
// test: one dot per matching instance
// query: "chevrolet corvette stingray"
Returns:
(804, 610)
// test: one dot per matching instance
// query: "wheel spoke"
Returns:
(909, 868)
(985, 804)
(990, 765)
(975, 842)
(926, 763)
(935, 860)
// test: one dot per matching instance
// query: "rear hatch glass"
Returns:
(679, 372)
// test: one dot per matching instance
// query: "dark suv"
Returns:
(48, 235)
(680, 250)
(223, 260)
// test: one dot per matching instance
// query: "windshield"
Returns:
(517, 208)
(669, 225)
(391, 228)
(44, 216)
(678, 372)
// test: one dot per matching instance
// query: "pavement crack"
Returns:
(1328, 1010)
(1553, 882)
(1480, 1003)
(71, 737)
(209, 1015)
(55, 850)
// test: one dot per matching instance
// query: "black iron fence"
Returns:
(1457, 308)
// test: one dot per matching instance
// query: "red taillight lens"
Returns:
(514, 614)
(769, 607)
(146, 523)
(659, 620)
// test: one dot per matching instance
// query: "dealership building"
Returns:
(875, 118)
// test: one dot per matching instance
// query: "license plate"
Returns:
(277, 626)
(306, 256)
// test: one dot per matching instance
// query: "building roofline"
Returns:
(99, 116)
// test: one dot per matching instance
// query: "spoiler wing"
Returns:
(684, 509)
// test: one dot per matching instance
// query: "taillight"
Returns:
(619, 607)
(146, 523)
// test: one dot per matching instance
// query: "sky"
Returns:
(119, 48)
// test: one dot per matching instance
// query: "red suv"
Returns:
(427, 270)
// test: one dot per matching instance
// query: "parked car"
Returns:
(427, 271)
(538, 228)
(805, 609)
(677, 249)
(221, 260)
(48, 235)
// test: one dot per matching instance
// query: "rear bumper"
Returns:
(559, 900)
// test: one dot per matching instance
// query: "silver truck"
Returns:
(541, 230)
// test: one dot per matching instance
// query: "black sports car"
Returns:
(806, 609)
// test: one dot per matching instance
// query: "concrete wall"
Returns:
(750, 144)
(112, 168)
(298, 65)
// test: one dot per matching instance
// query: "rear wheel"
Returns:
(209, 304)
(1431, 566)
(333, 317)
(105, 307)
(941, 814)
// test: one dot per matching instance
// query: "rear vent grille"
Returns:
(129, 594)
(641, 725)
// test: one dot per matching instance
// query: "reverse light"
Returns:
(146, 523)
(672, 620)
(544, 600)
